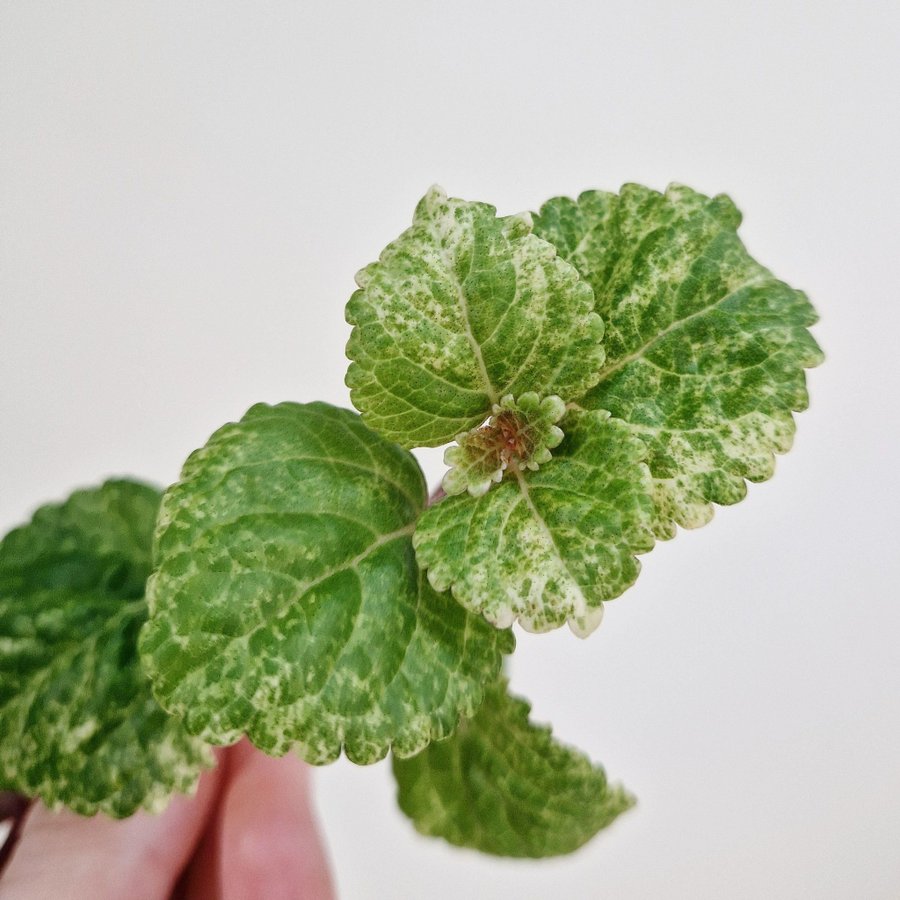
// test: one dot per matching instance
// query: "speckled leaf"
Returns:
(78, 724)
(462, 309)
(549, 546)
(286, 601)
(705, 347)
(503, 785)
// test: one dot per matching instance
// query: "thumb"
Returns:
(265, 840)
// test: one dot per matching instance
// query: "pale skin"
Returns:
(249, 832)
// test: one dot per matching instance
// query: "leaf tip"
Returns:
(518, 225)
(585, 625)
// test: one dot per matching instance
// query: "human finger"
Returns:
(62, 854)
(264, 841)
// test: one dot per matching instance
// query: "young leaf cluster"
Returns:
(600, 372)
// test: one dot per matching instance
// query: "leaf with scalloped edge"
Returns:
(505, 786)
(547, 546)
(286, 602)
(78, 724)
(706, 349)
(460, 310)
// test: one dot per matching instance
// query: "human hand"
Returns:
(248, 832)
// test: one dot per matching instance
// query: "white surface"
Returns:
(186, 191)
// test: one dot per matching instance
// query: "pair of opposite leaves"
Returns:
(291, 534)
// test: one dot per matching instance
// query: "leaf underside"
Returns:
(706, 349)
(79, 725)
(286, 601)
(504, 786)
(547, 546)
(461, 310)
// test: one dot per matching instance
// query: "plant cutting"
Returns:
(601, 372)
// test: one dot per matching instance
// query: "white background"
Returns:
(186, 193)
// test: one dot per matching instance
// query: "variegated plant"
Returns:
(601, 372)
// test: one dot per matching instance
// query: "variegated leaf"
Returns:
(461, 310)
(706, 349)
(505, 786)
(78, 724)
(286, 602)
(547, 546)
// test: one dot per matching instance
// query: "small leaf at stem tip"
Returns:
(519, 436)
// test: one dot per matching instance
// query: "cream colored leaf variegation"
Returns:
(706, 349)
(78, 723)
(287, 605)
(459, 311)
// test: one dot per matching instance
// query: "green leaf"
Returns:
(461, 310)
(502, 785)
(287, 603)
(551, 545)
(705, 347)
(78, 724)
